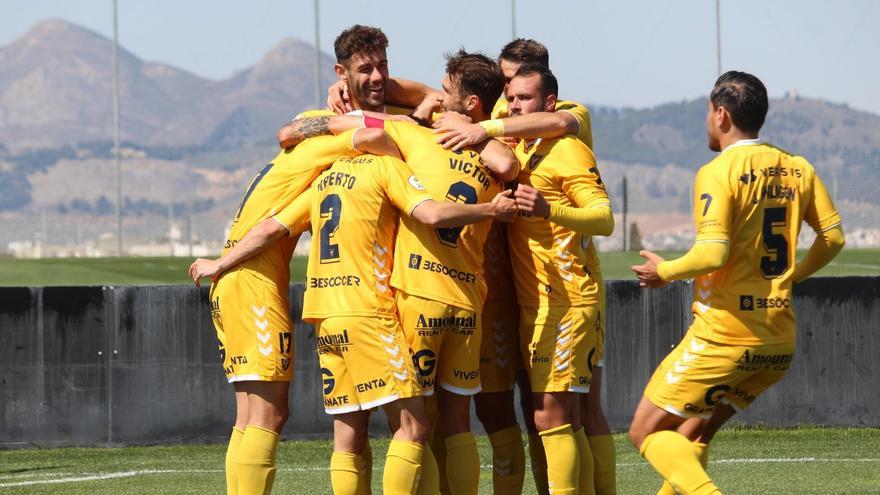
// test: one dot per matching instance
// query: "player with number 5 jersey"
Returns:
(749, 203)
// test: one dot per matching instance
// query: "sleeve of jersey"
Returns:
(704, 257)
(402, 188)
(295, 217)
(712, 207)
(407, 136)
(583, 185)
(321, 151)
(580, 112)
(821, 214)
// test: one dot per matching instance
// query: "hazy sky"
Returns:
(620, 53)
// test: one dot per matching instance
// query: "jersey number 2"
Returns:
(460, 192)
(775, 245)
(331, 208)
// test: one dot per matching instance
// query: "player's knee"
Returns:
(636, 435)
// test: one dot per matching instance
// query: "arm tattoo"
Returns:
(309, 127)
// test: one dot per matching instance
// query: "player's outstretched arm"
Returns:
(825, 247)
(252, 244)
(499, 158)
(376, 142)
(590, 220)
(298, 130)
(456, 134)
(446, 214)
(702, 258)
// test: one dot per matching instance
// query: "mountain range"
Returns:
(191, 144)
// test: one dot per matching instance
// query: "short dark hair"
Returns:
(476, 74)
(549, 84)
(744, 97)
(523, 50)
(358, 39)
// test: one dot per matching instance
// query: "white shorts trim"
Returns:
(684, 415)
(579, 390)
(600, 364)
(460, 391)
(342, 410)
(380, 402)
(244, 378)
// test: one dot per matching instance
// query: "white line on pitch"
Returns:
(128, 474)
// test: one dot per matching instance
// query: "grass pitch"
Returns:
(742, 461)
(163, 271)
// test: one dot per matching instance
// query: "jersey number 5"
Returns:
(331, 208)
(460, 192)
(775, 245)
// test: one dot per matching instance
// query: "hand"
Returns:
(647, 272)
(204, 268)
(457, 139)
(504, 206)
(530, 201)
(337, 98)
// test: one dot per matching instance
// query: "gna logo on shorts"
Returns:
(329, 381)
(425, 361)
(714, 394)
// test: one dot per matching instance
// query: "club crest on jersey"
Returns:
(414, 181)
(534, 161)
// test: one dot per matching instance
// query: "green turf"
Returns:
(146, 271)
(742, 461)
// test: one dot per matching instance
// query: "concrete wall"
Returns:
(121, 365)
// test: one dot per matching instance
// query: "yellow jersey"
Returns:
(580, 112)
(442, 264)
(754, 197)
(353, 208)
(548, 259)
(287, 176)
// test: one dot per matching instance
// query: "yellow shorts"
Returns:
(252, 318)
(365, 363)
(445, 341)
(698, 374)
(556, 343)
(499, 346)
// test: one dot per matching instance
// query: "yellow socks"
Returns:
(674, 457)
(345, 473)
(585, 480)
(255, 462)
(365, 471)
(462, 464)
(402, 468)
(563, 463)
(604, 461)
(508, 460)
(702, 451)
(429, 484)
(438, 447)
(539, 463)
(231, 456)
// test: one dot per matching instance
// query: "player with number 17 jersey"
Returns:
(250, 306)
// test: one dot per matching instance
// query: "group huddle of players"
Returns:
(452, 257)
